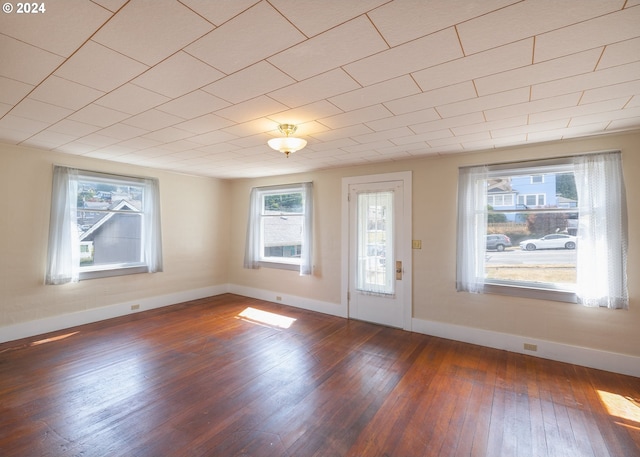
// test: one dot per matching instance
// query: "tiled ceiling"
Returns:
(199, 86)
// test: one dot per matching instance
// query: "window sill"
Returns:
(280, 266)
(536, 293)
(107, 272)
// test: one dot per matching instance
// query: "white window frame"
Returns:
(65, 245)
(255, 243)
(607, 235)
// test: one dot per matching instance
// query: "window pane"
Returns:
(283, 203)
(282, 235)
(536, 247)
(375, 269)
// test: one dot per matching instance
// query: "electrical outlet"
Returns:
(416, 244)
(134, 307)
(279, 298)
(530, 347)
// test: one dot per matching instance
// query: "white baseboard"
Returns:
(593, 358)
(52, 324)
(319, 306)
(587, 357)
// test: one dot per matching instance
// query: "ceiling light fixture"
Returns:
(287, 143)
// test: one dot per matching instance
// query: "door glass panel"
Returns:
(375, 257)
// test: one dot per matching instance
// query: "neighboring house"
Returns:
(115, 237)
(282, 235)
(522, 193)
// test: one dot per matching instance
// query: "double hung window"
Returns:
(102, 225)
(280, 227)
(565, 235)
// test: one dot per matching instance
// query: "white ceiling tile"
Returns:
(25, 63)
(358, 116)
(5, 108)
(11, 136)
(73, 128)
(586, 81)
(531, 108)
(600, 94)
(219, 12)
(99, 67)
(343, 132)
(98, 140)
(111, 5)
(428, 137)
(64, 93)
(313, 17)
(610, 28)
(153, 120)
(351, 41)
(207, 139)
(313, 89)
(416, 55)
(404, 20)
(584, 119)
(384, 135)
(251, 127)
(182, 146)
(485, 103)
(493, 61)
(485, 126)
(40, 111)
(122, 132)
(149, 33)
(76, 147)
(98, 115)
(12, 91)
(230, 48)
(376, 93)
(424, 100)
(572, 65)
(249, 83)
(78, 20)
(449, 123)
(620, 53)
(624, 124)
(332, 145)
(251, 109)
(219, 148)
(178, 75)
(369, 146)
(526, 19)
(575, 111)
(529, 128)
(22, 124)
(132, 99)
(204, 124)
(48, 140)
(306, 113)
(194, 104)
(168, 134)
(402, 120)
(139, 143)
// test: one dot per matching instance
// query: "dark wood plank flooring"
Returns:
(196, 379)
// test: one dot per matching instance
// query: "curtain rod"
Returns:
(547, 160)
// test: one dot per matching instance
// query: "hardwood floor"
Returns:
(197, 379)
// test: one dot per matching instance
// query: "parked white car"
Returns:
(553, 241)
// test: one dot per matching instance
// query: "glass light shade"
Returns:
(287, 144)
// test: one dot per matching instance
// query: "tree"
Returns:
(495, 218)
(566, 186)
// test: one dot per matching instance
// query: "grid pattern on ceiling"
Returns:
(200, 86)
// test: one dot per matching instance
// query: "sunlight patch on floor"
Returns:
(257, 316)
(53, 338)
(619, 406)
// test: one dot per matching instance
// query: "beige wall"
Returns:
(434, 222)
(195, 232)
(204, 225)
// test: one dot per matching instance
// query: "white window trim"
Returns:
(254, 257)
(63, 259)
(471, 230)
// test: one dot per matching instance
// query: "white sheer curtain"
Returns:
(306, 267)
(152, 225)
(63, 256)
(252, 244)
(472, 229)
(602, 231)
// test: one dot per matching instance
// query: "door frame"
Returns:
(404, 230)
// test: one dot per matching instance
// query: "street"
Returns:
(516, 256)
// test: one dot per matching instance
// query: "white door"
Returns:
(379, 251)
